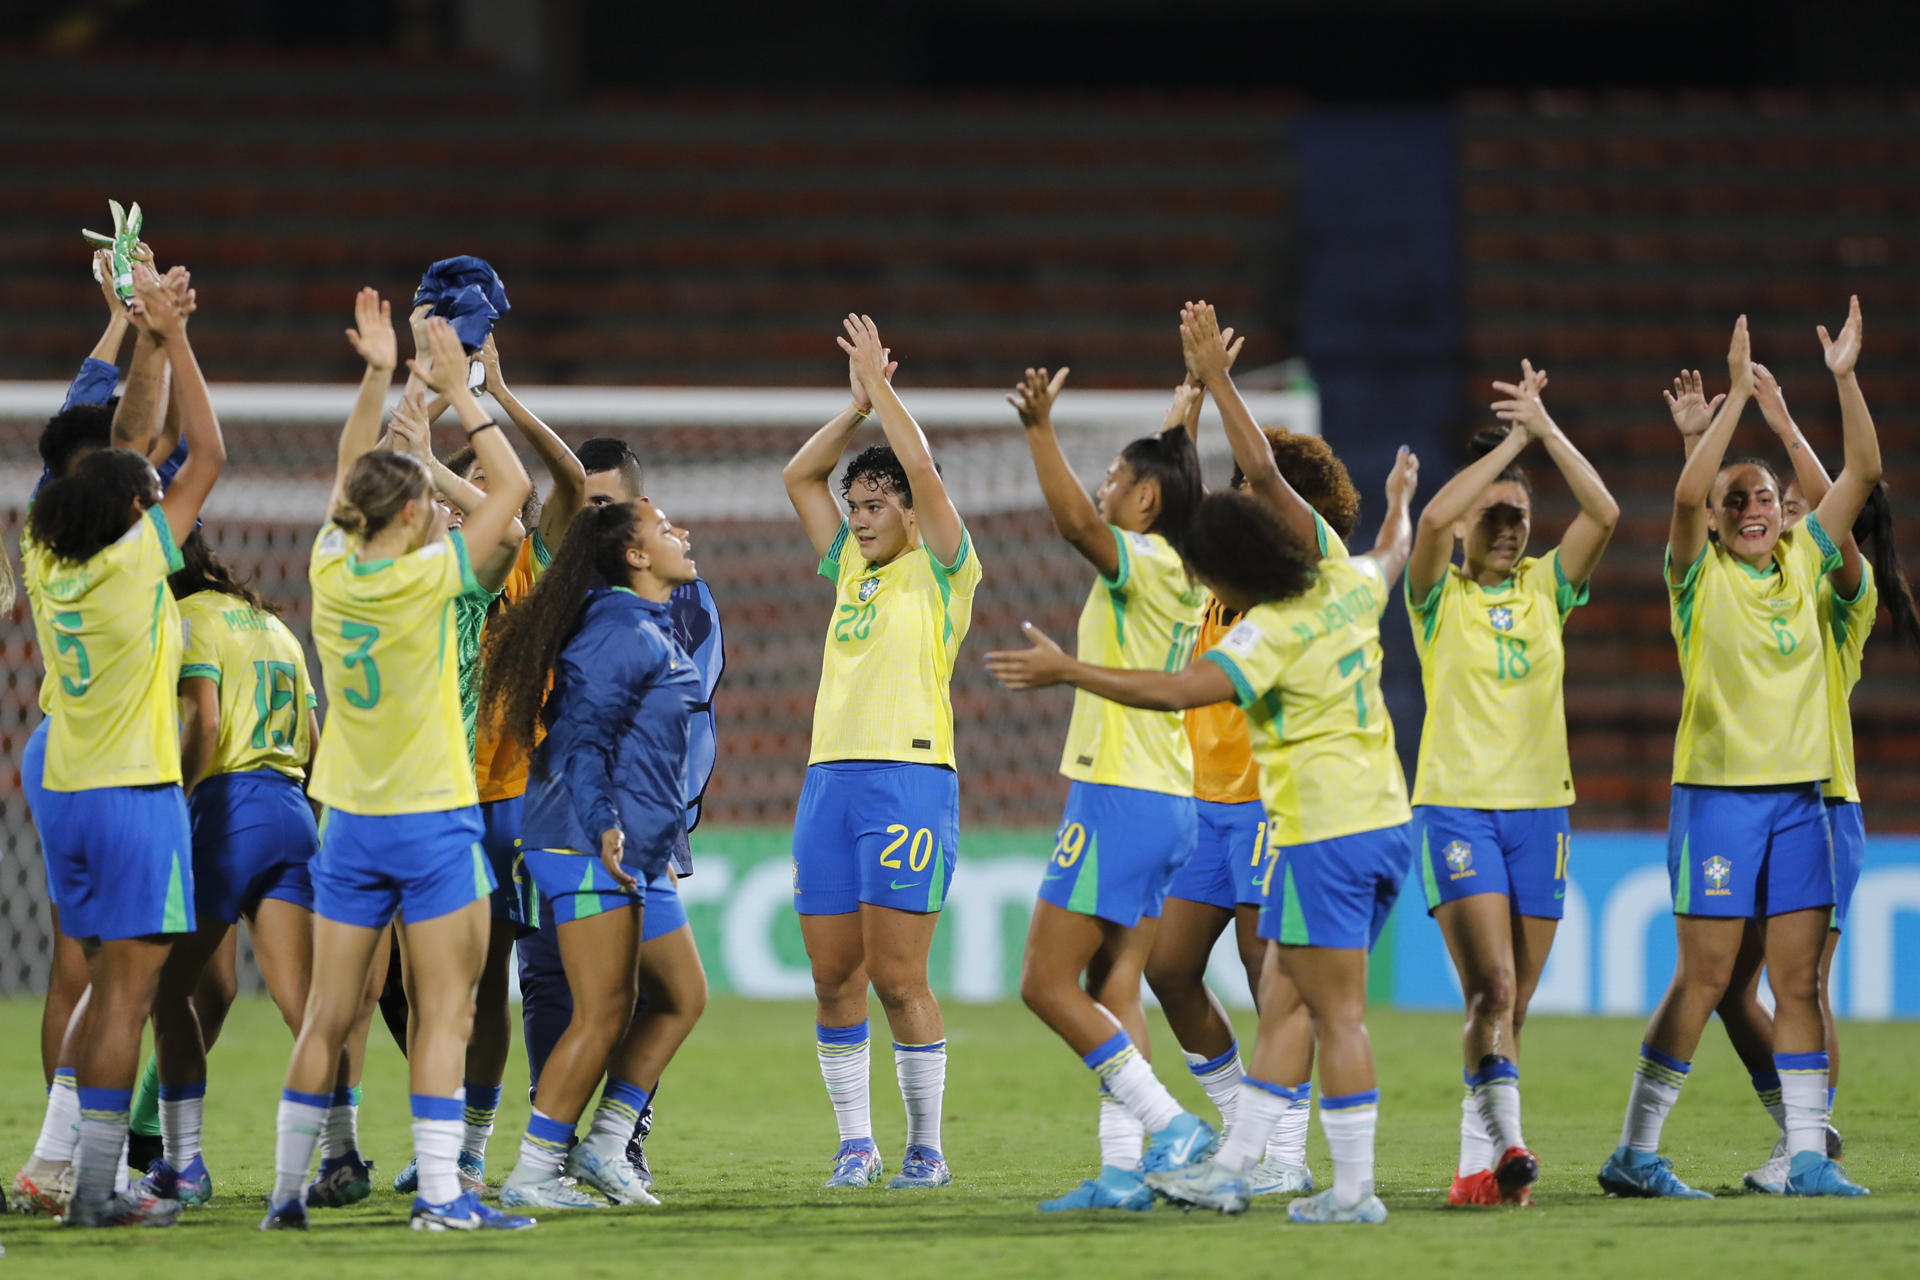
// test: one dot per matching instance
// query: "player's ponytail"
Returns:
(1170, 461)
(378, 487)
(1484, 442)
(81, 514)
(524, 643)
(1873, 531)
(201, 570)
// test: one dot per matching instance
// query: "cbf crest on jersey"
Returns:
(868, 587)
(1501, 617)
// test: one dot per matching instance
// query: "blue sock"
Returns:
(482, 1104)
(619, 1111)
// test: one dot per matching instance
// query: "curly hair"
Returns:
(76, 429)
(1237, 541)
(1316, 473)
(201, 570)
(524, 643)
(1169, 459)
(879, 466)
(80, 514)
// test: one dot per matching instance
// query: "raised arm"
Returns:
(1210, 355)
(1395, 540)
(409, 434)
(939, 520)
(489, 524)
(1808, 471)
(372, 338)
(107, 350)
(1687, 534)
(569, 491)
(1585, 540)
(1188, 397)
(1692, 411)
(809, 473)
(1432, 549)
(143, 407)
(1074, 514)
(164, 312)
(1861, 470)
(1200, 684)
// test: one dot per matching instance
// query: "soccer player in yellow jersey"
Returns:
(99, 544)
(402, 829)
(1304, 665)
(1868, 557)
(1748, 834)
(1129, 822)
(1493, 784)
(877, 830)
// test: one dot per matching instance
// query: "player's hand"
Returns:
(1687, 402)
(613, 846)
(1404, 479)
(1522, 406)
(103, 276)
(489, 358)
(1034, 394)
(417, 323)
(1036, 668)
(372, 334)
(1844, 350)
(1740, 356)
(867, 360)
(160, 309)
(1209, 350)
(1773, 404)
(446, 368)
(408, 426)
(1186, 402)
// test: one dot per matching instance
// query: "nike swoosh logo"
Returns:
(909, 885)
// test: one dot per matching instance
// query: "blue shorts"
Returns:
(253, 838)
(120, 861)
(1849, 854)
(877, 832)
(500, 841)
(1228, 863)
(1745, 852)
(1336, 893)
(1117, 851)
(665, 912)
(570, 886)
(1519, 853)
(421, 865)
(50, 809)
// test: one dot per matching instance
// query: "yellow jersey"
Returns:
(393, 741)
(1223, 767)
(265, 691)
(1754, 710)
(499, 765)
(1493, 662)
(1307, 674)
(1146, 617)
(1844, 625)
(109, 634)
(890, 650)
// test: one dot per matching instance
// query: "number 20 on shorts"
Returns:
(919, 848)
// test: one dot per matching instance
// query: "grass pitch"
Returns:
(745, 1134)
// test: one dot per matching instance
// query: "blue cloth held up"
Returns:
(468, 294)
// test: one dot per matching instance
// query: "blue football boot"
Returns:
(1812, 1174)
(1187, 1140)
(1115, 1188)
(1325, 1208)
(291, 1216)
(857, 1164)
(343, 1180)
(923, 1167)
(190, 1186)
(1639, 1174)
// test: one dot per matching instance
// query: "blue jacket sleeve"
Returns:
(601, 662)
(94, 383)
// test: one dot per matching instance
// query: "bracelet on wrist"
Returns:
(858, 412)
(489, 423)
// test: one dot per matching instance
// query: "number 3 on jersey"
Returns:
(362, 657)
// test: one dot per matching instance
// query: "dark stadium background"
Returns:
(1408, 196)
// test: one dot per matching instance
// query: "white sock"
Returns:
(482, 1105)
(1121, 1135)
(1129, 1077)
(297, 1133)
(1349, 1123)
(1476, 1144)
(1220, 1077)
(436, 1152)
(922, 1072)
(543, 1151)
(1496, 1091)
(103, 1140)
(1256, 1115)
(182, 1108)
(845, 1064)
(60, 1126)
(1288, 1145)
(122, 1175)
(1803, 1090)
(1656, 1087)
(341, 1136)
